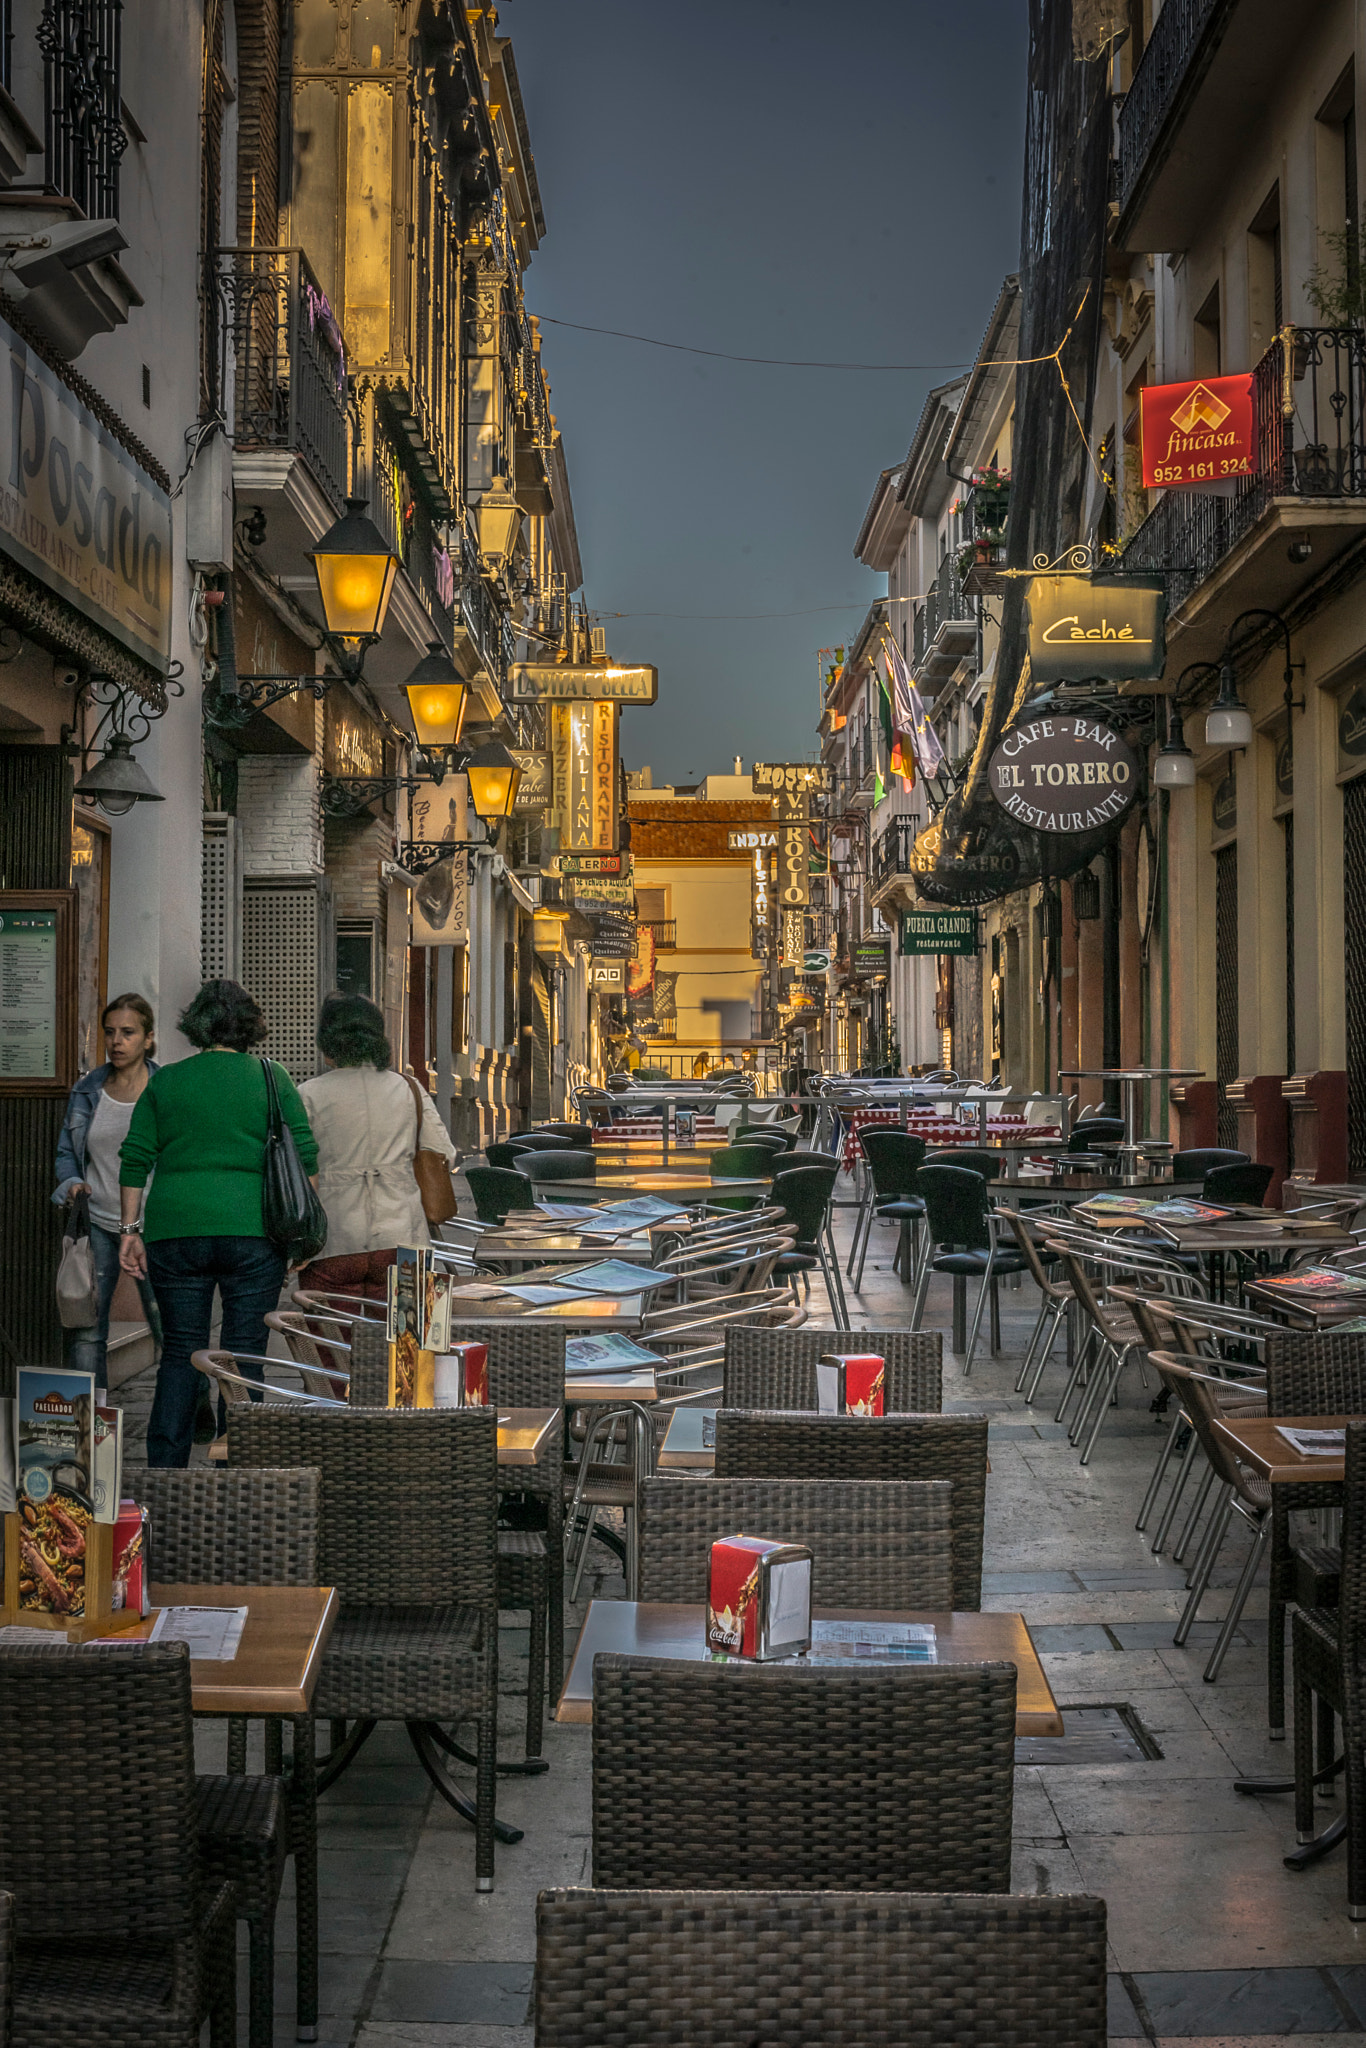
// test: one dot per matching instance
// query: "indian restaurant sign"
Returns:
(1063, 774)
(79, 513)
(1085, 628)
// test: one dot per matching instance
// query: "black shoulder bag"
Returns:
(295, 1220)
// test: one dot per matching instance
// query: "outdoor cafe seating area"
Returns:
(1090, 1388)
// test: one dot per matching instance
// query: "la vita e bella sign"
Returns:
(1063, 774)
(78, 512)
(1089, 628)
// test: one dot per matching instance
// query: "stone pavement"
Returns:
(1212, 1940)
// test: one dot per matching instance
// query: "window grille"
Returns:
(1354, 922)
(1226, 986)
(282, 944)
(84, 138)
(220, 946)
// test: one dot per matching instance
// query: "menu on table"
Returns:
(609, 1353)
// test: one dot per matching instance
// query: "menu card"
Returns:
(611, 1352)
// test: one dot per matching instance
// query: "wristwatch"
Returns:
(130, 1230)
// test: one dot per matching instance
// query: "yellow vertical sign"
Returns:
(605, 717)
(583, 740)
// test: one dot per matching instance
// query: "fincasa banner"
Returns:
(1199, 434)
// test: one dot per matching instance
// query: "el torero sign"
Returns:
(1063, 774)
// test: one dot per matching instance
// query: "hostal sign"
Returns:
(1063, 774)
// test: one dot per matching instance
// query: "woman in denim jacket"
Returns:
(97, 1117)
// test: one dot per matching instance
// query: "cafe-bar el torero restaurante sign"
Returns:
(1063, 774)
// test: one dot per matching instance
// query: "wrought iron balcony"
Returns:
(279, 361)
(81, 43)
(1178, 36)
(892, 851)
(1309, 410)
(665, 932)
(946, 624)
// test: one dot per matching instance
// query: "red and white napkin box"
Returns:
(759, 1597)
(850, 1383)
(132, 1577)
(462, 1377)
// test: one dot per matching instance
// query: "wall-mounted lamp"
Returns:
(494, 775)
(1174, 767)
(1229, 723)
(115, 781)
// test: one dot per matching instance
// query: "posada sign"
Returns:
(1064, 774)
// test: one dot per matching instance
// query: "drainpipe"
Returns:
(1109, 949)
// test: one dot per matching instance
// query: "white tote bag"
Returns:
(77, 1300)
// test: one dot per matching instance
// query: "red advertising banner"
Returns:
(1198, 433)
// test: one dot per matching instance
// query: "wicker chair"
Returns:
(417, 1636)
(1307, 1373)
(211, 1527)
(526, 1370)
(119, 1936)
(1328, 1668)
(874, 1542)
(773, 1445)
(6, 1968)
(890, 1970)
(741, 1774)
(777, 1368)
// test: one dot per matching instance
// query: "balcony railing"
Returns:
(665, 932)
(946, 603)
(280, 361)
(84, 137)
(892, 851)
(1176, 38)
(1309, 413)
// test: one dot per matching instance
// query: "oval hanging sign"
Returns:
(1064, 774)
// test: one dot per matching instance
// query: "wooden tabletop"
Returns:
(694, 1187)
(658, 1628)
(1306, 1311)
(522, 1434)
(1258, 1442)
(277, 1662)
(589, 1387)
(689, 1442)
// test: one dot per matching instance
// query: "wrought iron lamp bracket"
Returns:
(230, 709)
(123, 714)
(415, 856)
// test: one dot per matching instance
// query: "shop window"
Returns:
(355, 956)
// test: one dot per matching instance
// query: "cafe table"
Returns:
(689, 1442)
(273, 1675)
(575, 1312)
(1083, 1187)
(676, 1629)
(1258, 1442)
(691, 1188)
(521, 1248)
(1306, 1311)
(1130, 1080)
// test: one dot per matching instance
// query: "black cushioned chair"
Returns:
(894, 1158)
(963, 1244)
(497, 1191)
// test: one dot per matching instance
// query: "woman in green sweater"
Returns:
(201, 1124)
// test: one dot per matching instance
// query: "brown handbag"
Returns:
(430, 1171)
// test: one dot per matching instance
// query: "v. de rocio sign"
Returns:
(1063, 774)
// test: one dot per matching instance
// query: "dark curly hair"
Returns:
(224, 1014)
(351, 1032)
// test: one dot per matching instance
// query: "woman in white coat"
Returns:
(368, 1121)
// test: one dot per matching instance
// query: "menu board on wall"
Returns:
(37, 992)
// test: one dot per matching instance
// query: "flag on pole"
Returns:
(909, 716)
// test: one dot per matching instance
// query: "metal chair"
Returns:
(740, 1162)
(874, 1542)
(773, 1444)
(1194, 1165)
(777, 1368)
(212, 1527)
(736, 1774)
(788, 1960)
(497, 1190)
(1056, 1300)
(119, 1937)
(894, 1158)
(417, 1636)
(1115, 1339)
(961, 1241)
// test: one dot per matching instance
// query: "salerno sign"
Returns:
(1063, 774)
(1091, 628)
(79, 513)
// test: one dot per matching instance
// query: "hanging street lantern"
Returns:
(437, 696)
(1229, 723)
(499, 518)
(493, 774)
(1174, 767)
(355, 568)
(116, 782)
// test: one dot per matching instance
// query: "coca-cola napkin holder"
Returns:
(759, 1598)
(850, 1383)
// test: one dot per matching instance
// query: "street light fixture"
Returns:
(437, 696)
(355, 568)
(1229, 723)
(1174, 767)
(116, 782)
(494, 774)
(499, 518)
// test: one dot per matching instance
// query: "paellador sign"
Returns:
(1194, 434)
(1063, 774)
(1083, 628)
(79, 513)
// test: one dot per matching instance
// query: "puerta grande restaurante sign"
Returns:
(79, 513)
(1063, 774)
(1085, 629)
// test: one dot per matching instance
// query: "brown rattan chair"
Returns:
(408, 1536)
(6, 1968)
(526, 1370)
(212, 1527)
(744, 1774)
(892, 1970)
(773, 1444)
(874, 1542)
(120, 1936)
(777, 1368)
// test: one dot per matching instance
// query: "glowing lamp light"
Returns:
(437, 695)
(493, 775)
(1229, 723)
(355, 569)
(1174, 767)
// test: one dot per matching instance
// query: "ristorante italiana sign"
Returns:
(1063, 774)
(78, 512)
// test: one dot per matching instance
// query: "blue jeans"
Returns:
(248, 1273)
(86, 1350)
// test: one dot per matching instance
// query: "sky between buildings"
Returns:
(770, 178)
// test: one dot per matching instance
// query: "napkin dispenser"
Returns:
(850, 1383)
(759, 1597)
(462, 1377)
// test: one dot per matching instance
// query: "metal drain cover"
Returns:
(1092, 1735)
